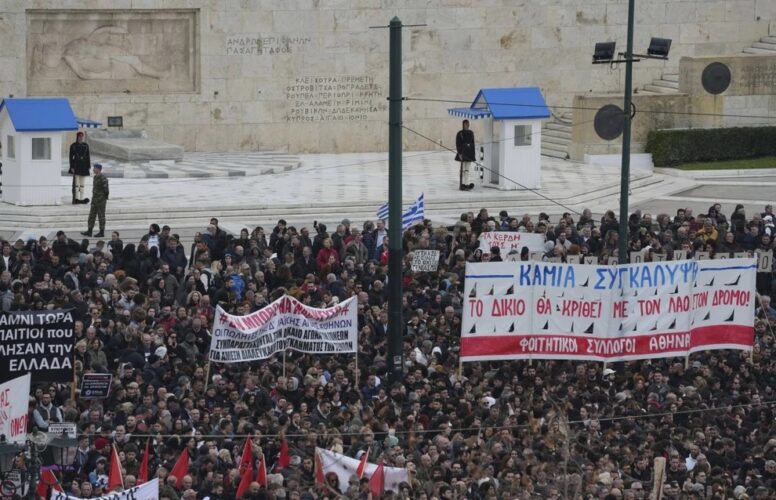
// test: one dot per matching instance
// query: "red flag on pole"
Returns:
(246, 468)
(181, 468)
(320, 479)
(377, 481)
(261, 474)
(115, 477)
(362, 464)
(246, 462)
(47, 480)
(284, 459)
(142, 475)
(245, 483)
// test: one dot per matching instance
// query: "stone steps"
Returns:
(768, 39)
(556, 137)
(553, 146)
(559, 129)
(132, 224)
(759, 52)
(667, 84)
(550, 153)
(660, 89)
(764, 45)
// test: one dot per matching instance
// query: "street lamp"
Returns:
(604, 54)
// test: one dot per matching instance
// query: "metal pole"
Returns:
(34, 476)
(626, 138)
(395, 322)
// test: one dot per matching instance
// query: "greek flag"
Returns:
(415, 213)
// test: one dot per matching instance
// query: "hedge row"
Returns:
(672, 147)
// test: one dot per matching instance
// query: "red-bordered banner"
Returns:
(537, 310)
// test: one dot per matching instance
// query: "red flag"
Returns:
(245, 482)
(181, 468)
(377, 481)
(115, 477)
(320, 479)
(284, 459)
(246, 462)
(142, 475)
(47, 480)
(362, 464)
(261, 474)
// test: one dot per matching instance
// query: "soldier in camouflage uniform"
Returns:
(100, 192)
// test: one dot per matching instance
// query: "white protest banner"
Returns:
(511, 240)
(62, 429)
(284, 324)
(146, 491)
(539, 310)
(14, 405)
(344, 467)
(425, 260)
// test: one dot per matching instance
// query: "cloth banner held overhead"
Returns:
(14, 405)
(147, 491)
(344, 467)
(37, 342)
(284, 324)
(536, 310)
(507, 241)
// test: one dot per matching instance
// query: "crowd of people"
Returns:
(522, 430)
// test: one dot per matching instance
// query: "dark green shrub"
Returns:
(672, 147)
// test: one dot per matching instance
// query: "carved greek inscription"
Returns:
(334, 98)
(260, 45)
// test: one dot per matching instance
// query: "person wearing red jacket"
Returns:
(327, 251)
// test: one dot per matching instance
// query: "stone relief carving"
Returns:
(98, 56)
(112, 51)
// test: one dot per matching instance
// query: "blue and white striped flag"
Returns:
(382, 212)
(415, 213)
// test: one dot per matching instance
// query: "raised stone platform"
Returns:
(132, 145)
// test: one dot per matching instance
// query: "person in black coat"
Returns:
(465, 153)
(80, 167)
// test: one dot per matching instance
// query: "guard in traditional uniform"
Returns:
(465, 154)
(80, 162)
(100, 192)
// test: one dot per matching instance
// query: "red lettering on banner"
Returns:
(679, 304)
(543, 306)
(731, 297)
(508, 307)
(700, 299)
(475, 307)
(5, 398)
(18, 425)
(649, 306)
(581, 308)
(620, 309)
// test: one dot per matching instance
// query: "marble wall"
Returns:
(312, 75)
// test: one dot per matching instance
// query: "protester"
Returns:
(547, 429)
